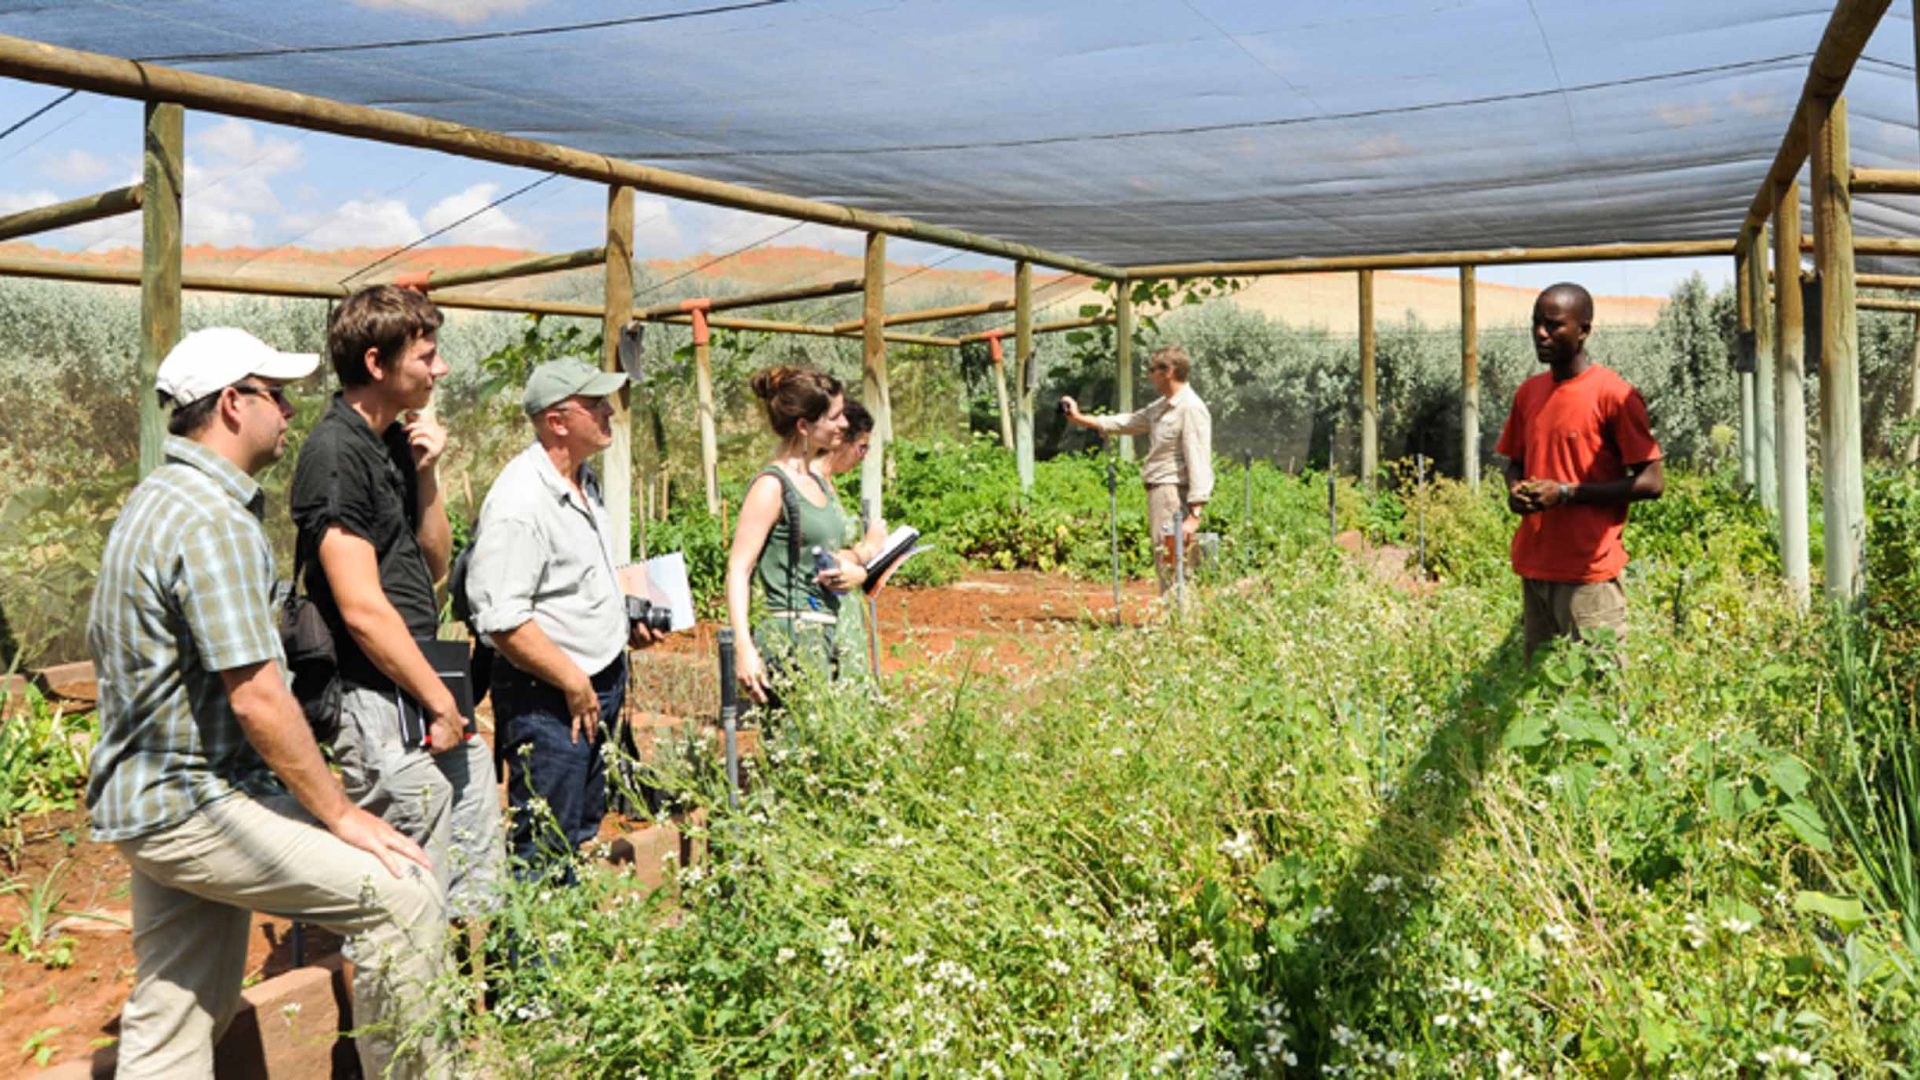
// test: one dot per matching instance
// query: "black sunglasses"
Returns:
(278, 394)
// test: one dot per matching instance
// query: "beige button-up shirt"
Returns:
(1179, 434)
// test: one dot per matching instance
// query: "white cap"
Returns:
(207, 361)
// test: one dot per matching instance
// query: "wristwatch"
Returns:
(1566, 494)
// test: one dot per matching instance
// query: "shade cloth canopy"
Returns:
(1128, 133)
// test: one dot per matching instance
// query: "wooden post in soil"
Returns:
(1123, 358)
(1842, 485)
(1766, 455)
(703, 403)
(873, 370)
(163, 170)
(1743, 291)
(1469, 378)
(617, 309)
(998, 354)
(1790, 393)
(1369, 391)
(1910, 408)
(1025, 380)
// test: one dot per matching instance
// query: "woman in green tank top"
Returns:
(853, 629)
(789, 511)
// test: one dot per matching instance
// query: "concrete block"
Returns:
(654, 852)
(289, 1026)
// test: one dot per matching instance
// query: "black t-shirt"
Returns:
(365, 483)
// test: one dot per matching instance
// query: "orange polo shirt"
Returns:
(1583, 431)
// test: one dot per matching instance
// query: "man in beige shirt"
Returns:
(1178, 469)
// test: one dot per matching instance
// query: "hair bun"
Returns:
(766, 382)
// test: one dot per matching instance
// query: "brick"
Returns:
(654, 852)
(289, 1027)
(74, 682)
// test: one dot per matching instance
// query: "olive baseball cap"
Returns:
(557, 380)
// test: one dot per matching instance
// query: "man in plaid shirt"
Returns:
(199, 733)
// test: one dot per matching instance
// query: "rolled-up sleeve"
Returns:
(505, 573)
(1196, 450)
(1138, 422)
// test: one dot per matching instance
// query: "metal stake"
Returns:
(730, 715)
(1113, 528)
(1333, 511)
(1420, 489)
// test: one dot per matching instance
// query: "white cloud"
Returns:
(656, 231)
(231, 170)
(492, 227)
(76, 166)
(370, 222)
(13, 202)
(464, 12)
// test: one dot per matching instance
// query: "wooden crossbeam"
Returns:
(1668, 249)
(59, 215)
(757, 299)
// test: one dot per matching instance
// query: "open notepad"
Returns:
(898, 548)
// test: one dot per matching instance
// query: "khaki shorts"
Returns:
(1569, 609)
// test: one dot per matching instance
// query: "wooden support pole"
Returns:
(1880, 303)
(1841, 481)
(1123, 358)
(1000, 392)
(1903, 282)
(789, 295)
(1026, 379)
(873, 371)
(709, 428)
(1668, 249)
(163, 173)
(1841, 44)
(104, 204)
(1766, 459)
(1897, 246)
(513, 268)
(1369, 389)
(617, 308)
(956, 311)
(101, 74)
(1077, 323)
(1910, 407)
(1790, 395)
(1885, 181)
(1469, 378)
(1743, 318)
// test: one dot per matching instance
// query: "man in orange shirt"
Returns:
(1578, 450)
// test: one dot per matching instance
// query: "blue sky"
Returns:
(256, 185)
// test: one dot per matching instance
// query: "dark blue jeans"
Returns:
(545, 766)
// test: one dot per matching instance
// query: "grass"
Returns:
(1327, 826)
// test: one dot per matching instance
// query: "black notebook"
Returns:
(452, 661)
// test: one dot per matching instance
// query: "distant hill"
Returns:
(1327, 300)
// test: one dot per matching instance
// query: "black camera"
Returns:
(1060, 406)
(644, 612)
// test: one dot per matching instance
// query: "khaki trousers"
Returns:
(195, 887)
(447, 803)
(1166, 505)
(1569, 609)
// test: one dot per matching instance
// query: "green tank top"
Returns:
(788, 584)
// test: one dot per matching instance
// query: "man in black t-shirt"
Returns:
(374, 538)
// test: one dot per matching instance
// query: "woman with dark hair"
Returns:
(842, 459)
(789, 511)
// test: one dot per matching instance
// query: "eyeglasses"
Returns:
(1159, 367)
(278, 394)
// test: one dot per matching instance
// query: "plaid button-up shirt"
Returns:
(184, 594)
